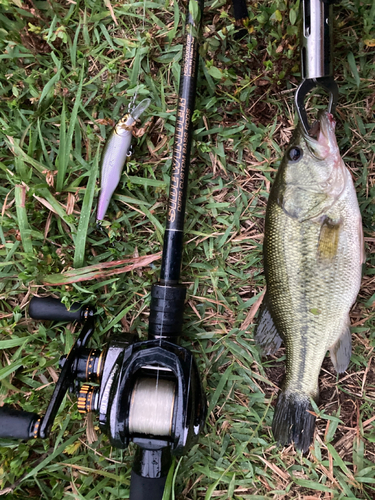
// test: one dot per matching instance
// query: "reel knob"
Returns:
(88, 399)
(89, 366)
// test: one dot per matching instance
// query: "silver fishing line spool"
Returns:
(151, 408)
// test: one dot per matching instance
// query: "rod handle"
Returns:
(53, 309)
(17, 424)
(166, 312)
(146, 487)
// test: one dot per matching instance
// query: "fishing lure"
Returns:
(114, 156)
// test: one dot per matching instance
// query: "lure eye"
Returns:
(295, 154)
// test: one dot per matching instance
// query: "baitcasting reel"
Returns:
(147, 392)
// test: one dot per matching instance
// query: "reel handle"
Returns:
(53, 309)
(16, 424)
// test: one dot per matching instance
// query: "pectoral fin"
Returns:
(266, 334)
(361, 241)
(341, 351)
(328, 239)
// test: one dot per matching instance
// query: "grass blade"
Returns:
(23, 224)
(7, 370)
(53, 205)
(61, 168)
(49, 86)
(219, 388)
(80, 239)
(353, 68)
(8, 344)
(17, 150)
(66, 139)
(51, 457)
(71, 277)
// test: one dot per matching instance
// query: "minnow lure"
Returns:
(114, 156)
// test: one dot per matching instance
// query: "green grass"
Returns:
(66, 70)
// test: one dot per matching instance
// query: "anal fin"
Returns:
(266, 334)
(341, 351)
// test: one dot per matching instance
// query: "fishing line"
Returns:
(131, 105)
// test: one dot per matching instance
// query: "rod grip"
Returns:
(16, 424)
(142, 488)
(166, 311)
(53, 309)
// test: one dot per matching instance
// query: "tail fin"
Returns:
(293, 421)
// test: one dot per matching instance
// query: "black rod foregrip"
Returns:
(54, 310)
(146, 488)
(166, 312)
(149, 474)
(16, 424)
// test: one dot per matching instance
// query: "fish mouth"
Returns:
(325, 143)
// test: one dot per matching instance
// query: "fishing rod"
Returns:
(316, 56)
(145, 392)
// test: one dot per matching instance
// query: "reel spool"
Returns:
(151, 408)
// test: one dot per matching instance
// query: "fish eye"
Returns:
(295, 153)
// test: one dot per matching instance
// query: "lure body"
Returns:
(114, 156)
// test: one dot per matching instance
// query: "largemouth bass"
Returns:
(313, 255)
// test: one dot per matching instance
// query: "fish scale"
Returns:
(313, 251)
